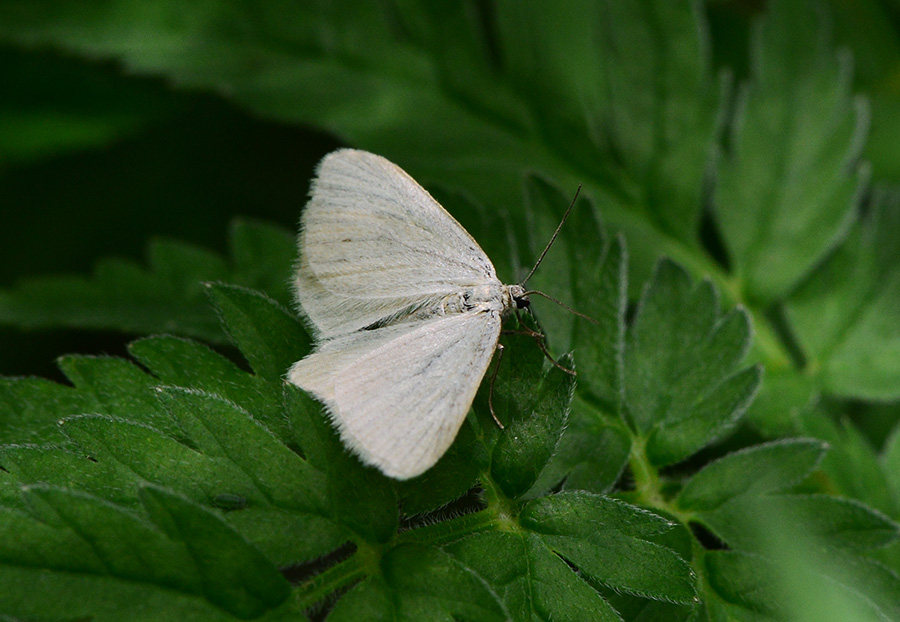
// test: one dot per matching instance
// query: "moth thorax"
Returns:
(487, 297)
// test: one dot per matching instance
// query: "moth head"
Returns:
(519, 296)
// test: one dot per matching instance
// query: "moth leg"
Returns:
(491, 386)
(539, 340)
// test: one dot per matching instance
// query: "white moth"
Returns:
(405, 309)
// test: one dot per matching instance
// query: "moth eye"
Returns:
(523, 302)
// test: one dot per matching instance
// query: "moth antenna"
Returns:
(553, 237)
(562, 304)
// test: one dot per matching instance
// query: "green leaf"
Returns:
(167, 296)
(117, 388)
(784, 397)
(77, 556)
(531, 580)
(131, 453)
(749, 587)
(223, 431)
(740, 586)
(818, 581)
(601, 94)
(675, 439)
(788, 190)
(420, 583)
(31, 407)
(601, 347)
(682, 388)
(257, 495)
(587, 271)
(868, 585)
(558, 273)
(741, 513)
(841, 523)
(845, 316)
(595, 446)
(221, 463)
(611, 542)
(65, 468)
(530, 438)
(775, 466)
(269, 336)
(234, 576)
(864, 27)
(591, 454)
(852, 465)
(189, 364)
(798, 584)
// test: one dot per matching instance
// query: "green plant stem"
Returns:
(503, 510)
(648, 488)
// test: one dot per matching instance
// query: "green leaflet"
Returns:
(118, 388)
(530, 579)
(771, 528)
(788, 190)
(31, 408)
(598, 99)
(186, 363)
(797, 580)
(777, 467)
(529, 439)
(106, 562)
(845, 314)
(683, 388)
(269, 336)
(716, 497)
(612, 543)
(420, 583)
(853, 465)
